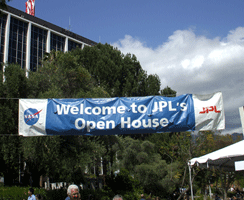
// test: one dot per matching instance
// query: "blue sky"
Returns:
(194, 46)
(150, 21)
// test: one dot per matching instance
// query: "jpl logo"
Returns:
(209, 109)
(31, 116)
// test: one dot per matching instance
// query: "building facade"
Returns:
(24, 39)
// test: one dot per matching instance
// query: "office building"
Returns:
(24, 39)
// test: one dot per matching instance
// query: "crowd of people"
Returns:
(73, 193)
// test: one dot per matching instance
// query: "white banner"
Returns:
(209, 111)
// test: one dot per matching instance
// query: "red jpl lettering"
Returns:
(209, 109)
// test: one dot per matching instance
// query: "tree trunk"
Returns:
(225, 193)
(41, 180)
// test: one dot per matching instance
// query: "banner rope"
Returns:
(83, 98)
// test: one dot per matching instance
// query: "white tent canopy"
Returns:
(224, 158)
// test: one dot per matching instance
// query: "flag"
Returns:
(30, 7)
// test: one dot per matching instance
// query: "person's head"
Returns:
(30, 191)
(73, 192)
(142, 196)
(118, 197)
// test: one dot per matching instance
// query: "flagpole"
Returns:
(34, 7)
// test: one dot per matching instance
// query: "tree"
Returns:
(125, 185)
(209, 141)
(62, 77)
(175, 147)
(10, 153)
(142, 161)
(152, 85)
(3, 4)
(15, 86)
(120, 75)
(42, 157)
(59, 78)
(168, 92)
(64, 158)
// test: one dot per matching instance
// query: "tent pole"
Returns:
(210, 192)
(192, 198)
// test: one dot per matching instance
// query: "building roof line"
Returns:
(48, 25)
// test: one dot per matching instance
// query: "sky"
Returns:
(194, 46)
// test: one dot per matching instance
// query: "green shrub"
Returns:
(56, 194)
(231, 194)
(97, 194)
(125, 185)
(17, 193)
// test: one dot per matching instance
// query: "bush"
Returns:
(125, 185)
(56, 194)
(17, 193)
(97, 194)
(231, 194)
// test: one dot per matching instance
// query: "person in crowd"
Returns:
(142, 197)
(118, 197)
(31, 195)
(73, 193)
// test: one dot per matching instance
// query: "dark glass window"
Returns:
(3, 20)
(38, 47)
(17, 42)
(57, 42)
(73, 45)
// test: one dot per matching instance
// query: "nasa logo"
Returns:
(31, 116)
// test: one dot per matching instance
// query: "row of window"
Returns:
(2, 35)
(38, 46)
(18, 42)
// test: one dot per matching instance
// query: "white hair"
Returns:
(118, 197)
(72, 187)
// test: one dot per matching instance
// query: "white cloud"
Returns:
(189, 63)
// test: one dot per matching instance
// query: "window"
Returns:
(73, 45)
(57, 42)
(3, 20)
(38, 47)
(17, 42)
